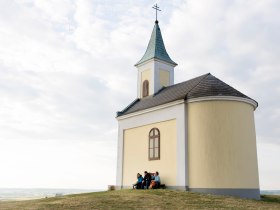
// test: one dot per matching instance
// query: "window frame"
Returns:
(153, 138)
(145, 88)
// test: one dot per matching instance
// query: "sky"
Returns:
(67, 66)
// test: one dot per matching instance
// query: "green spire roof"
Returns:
(156, 48)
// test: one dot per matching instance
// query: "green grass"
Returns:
(144, 199)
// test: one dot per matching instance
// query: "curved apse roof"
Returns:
(202, 86)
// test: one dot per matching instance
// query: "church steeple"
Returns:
(156, 68)
(156, 48)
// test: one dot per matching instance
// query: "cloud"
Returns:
(56, 164)
(237, 42)
(66, 67)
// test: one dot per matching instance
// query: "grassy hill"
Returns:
(144, 199)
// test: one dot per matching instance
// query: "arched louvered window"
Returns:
(145, 91)
(154, 144)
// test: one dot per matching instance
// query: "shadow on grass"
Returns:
(270, 198)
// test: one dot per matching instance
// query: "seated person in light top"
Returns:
(138, 184)
(156, 179)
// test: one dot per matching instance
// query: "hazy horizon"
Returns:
(67, 67)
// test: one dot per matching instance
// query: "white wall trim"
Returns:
(224, 98)
(164, 113)
(163, 106)
(120, 157)
(181, 151)
(186, 146)
(155, 59)
(148, 66)
(154, 65)
(159, 65)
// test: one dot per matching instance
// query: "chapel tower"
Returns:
(156, 68)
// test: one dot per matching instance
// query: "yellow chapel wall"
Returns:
(135, 158)
(222, 145)
(164, 78)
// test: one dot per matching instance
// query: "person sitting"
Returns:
(138, 183)
(157, 179)
(155, 183)
(147, 180)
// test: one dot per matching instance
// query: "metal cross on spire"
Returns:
(157, 9)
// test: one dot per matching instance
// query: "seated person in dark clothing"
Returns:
(147, 180)
(138, 184)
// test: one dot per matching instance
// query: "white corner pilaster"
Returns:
(120, 157)
(181, 148)
(154, 65)
(187, 145)
(139, 85)
(175, 110)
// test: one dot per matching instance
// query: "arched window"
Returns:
(145, 91)
(154, 144)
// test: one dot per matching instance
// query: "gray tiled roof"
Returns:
(205, 85)
(156, 48)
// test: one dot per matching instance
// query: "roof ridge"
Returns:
(161, 89)
(206, 75)
(156, 34)
(234, 89)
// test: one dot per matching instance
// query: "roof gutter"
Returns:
(163, 106)
(224, 98)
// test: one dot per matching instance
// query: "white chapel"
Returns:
(199, 134)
